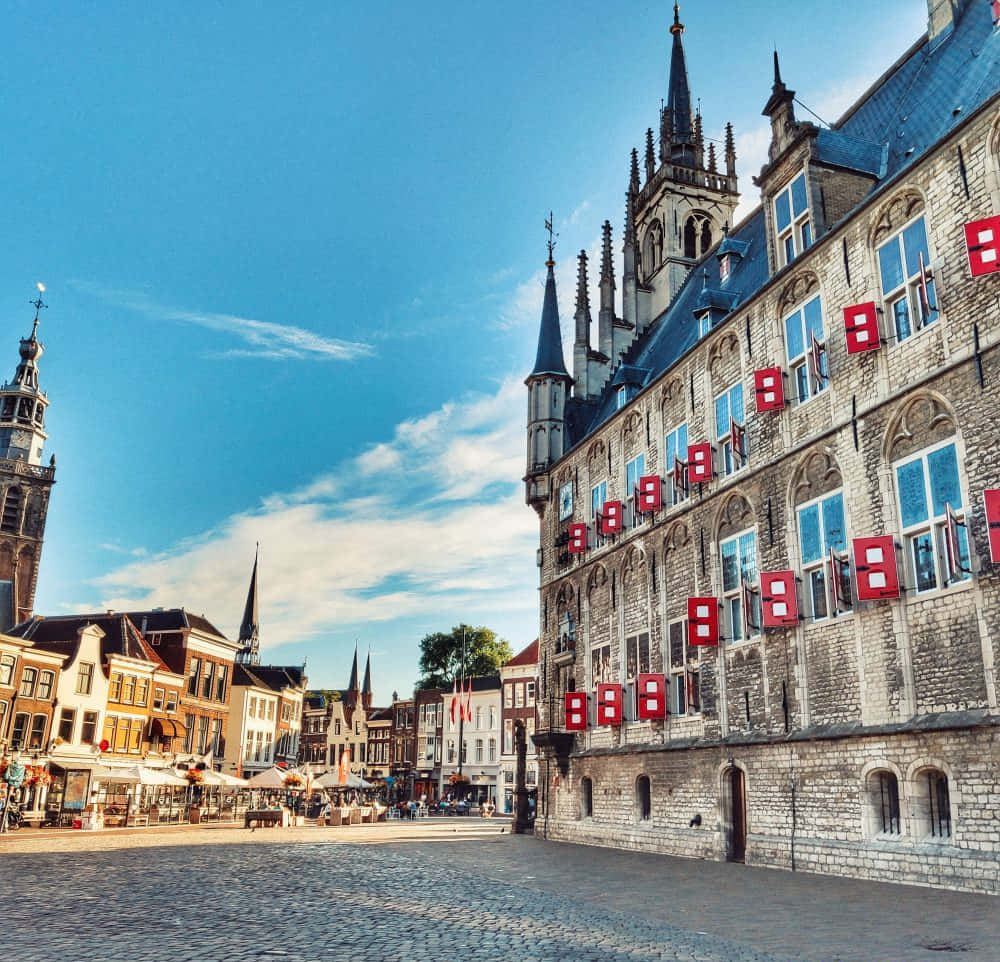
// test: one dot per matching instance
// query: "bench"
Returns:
(266, 817)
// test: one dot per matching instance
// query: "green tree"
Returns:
(441, 655)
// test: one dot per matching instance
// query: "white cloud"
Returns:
(262, 339)
(440, 522)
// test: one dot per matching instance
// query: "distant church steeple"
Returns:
(25, 485)
(249, 653)
(366, 687)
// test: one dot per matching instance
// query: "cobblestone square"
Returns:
(314, 895)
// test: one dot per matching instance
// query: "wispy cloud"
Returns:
(266, 340)
(430, 519)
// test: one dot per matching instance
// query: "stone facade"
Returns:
(864, 739)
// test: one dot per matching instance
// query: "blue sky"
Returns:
(293, 256)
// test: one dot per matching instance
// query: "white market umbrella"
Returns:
(332, 780)
(274, 777)
(221, 778)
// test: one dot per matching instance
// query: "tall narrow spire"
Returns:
(549, 357)
(730, 152)
(582, 314)
(352, 685)
(633, 173)
(679, 93)
(650, 155)
(366, 686)
(711, 158)
(249, 653)
(607, 261)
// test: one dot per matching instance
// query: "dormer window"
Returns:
(725, 267)
(621, 399)
(704, 323)
(791, 220)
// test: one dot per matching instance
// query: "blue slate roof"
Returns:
(927, 94)
(549, 359)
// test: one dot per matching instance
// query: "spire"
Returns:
(549, 359)
(249, 653)
(711, 157)
(630, 236)
(352, 685)
(678, 93)
(699, 141)
(582, 315)
(730, 152)
(633, 177)
(780, 94)
(650, 155)
(366, 687)
(607, 263)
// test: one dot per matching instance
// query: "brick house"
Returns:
(402, 744)
(770, 600)
(191, 646)
(428, 733)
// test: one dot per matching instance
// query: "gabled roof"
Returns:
(926, 95)
(61, 634)
(527, 656)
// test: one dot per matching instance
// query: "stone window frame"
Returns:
(934, 524)
(873, 800)
(685, 675)
(815, 385)
(920, 804)
(735, 520)
(586, 797)
(652, 248)
(816, 478)
(799, 229)
(643, 794)
(899, 212)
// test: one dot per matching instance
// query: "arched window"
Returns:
(586, 798)
(643, 806)
(706, 237)
(931, 806)
(690, 239)
(11, 510)
(652, 249)
(882, 790)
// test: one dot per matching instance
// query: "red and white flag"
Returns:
(454, 700)
(468, 702)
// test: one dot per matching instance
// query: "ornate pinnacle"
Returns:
(698, 138)
(711, 157)
(633, 184)
(607, 264)
(630, 219)
(650, 155)
(730, 142)
(582, 285)
(665, 130)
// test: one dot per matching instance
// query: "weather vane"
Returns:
(38, 304)
(552, 236)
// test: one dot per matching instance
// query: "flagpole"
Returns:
(461, 708)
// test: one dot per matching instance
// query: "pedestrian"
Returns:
(411, 807)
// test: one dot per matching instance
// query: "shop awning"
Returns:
(168, 728)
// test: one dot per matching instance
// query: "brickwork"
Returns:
(900, 680)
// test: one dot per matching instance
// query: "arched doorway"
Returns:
(734, 813)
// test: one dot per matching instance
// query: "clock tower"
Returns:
(25, 483)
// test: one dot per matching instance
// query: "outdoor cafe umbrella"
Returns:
(221, 778)
(332, 780)
(273, 777)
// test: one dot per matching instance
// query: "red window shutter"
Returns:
(779, 603)
(861, 325)
(651, 693)
(577, 543)
(769, 389)
(650, 493)
(875, 565)
(982, 241)
(611, 517)
(576, 711)
(992, 499)
(703, 621)
(609, 704)
(699, 463)
(840, 585)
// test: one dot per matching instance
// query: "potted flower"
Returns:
(294, 780)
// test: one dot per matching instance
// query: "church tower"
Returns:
(548, 386)
(677, 212)
(249, 653)
(25, 484)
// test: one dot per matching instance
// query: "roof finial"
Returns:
(551, 241)
(38, 304)
(677, 27)
(777, 69)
